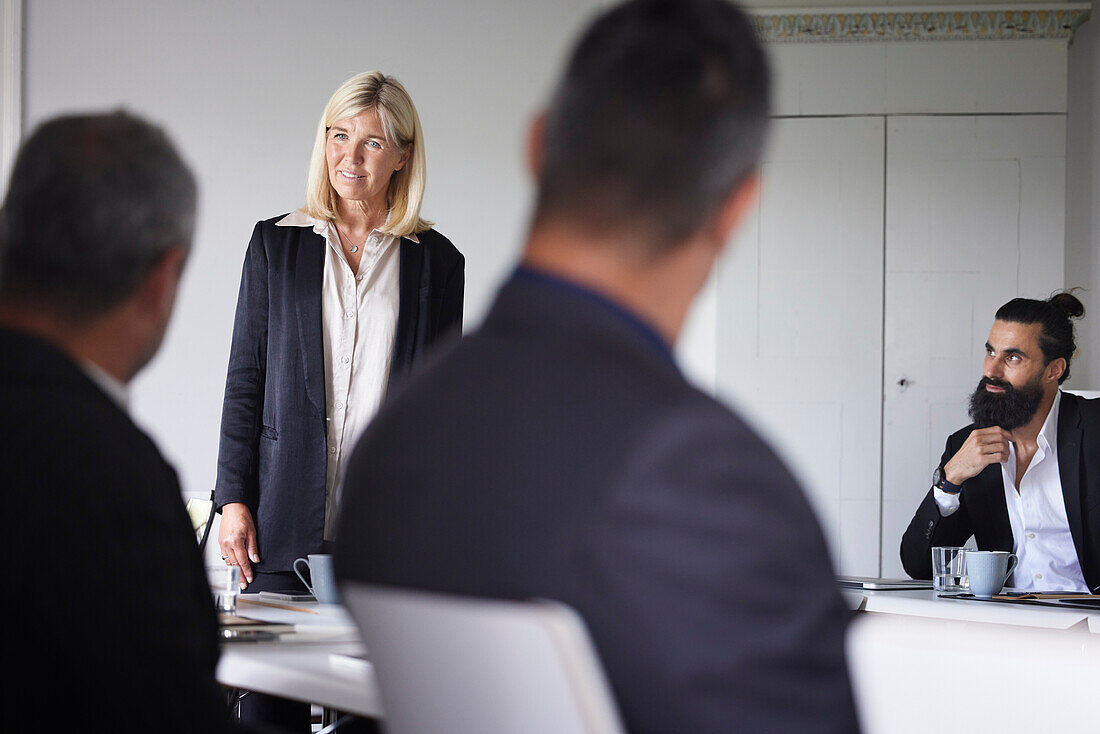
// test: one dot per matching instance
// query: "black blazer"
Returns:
(571, 460)
(982, 510)
(114, 625)
(273, 437)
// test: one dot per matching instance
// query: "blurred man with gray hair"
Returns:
(114, 626)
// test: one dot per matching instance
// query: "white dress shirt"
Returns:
(116, 390)
(359, 322)
(1037, 513)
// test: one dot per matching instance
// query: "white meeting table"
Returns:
(1019, 665)
(921, 663)
(319, 663)
(928, 604)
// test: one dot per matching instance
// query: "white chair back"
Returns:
(1085, 393)
(458, 665)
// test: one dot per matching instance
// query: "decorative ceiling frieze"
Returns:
(938, 24)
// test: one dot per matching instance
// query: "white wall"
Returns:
(240, 86)
(1083, 197)
(11, 56)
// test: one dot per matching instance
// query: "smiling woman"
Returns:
(362, 161)
(370, 114)
(337, 302)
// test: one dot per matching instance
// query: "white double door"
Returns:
(849, 316)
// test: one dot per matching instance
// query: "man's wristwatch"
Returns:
(939, 481)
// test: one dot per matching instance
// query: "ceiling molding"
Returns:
(921, 24)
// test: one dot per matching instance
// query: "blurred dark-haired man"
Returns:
(1025, 474)
(113, 628)
(569, 458)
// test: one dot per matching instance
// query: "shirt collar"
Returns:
(320, 226)
(1049, 431)
(115, 389)
(647, 332)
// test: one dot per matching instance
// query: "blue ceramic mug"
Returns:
(322, 575)
(988, 570)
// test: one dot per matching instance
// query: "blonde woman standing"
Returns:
(337, 302)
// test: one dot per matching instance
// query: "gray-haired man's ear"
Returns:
(534, 148)
(158, 291)
(151, 306)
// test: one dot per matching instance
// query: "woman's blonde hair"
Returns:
(373, 90)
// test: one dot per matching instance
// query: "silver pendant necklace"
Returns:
(351, 248)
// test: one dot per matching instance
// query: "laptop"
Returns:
(880, 584)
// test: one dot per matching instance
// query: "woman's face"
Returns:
(360, 160)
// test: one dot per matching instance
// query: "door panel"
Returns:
(974, 217)
(799, 321)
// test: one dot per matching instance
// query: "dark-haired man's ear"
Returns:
(533, 144)
(736, 207)
(1055, 370)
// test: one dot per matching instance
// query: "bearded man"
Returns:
(1025, 475)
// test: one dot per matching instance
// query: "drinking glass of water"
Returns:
(225, 586)
(949, 569)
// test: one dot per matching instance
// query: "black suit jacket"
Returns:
(982, 510)
(273, 431)
(571, 460)
(110, 624)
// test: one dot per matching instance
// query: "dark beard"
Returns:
(1010, 409)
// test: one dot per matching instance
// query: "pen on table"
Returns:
(1049, 595)
(1050, 592)
(277, 606)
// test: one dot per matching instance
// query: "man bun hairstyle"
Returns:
(661, 113)
(1056, 333)
(1068, 304)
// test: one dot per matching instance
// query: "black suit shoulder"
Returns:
(708, 525)
(447, 264)
(1087, 410)
(692, 455)
(103, 532)
(273, 246)
(440, 246)
(271, 233)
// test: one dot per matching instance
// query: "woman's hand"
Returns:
(237, 539)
